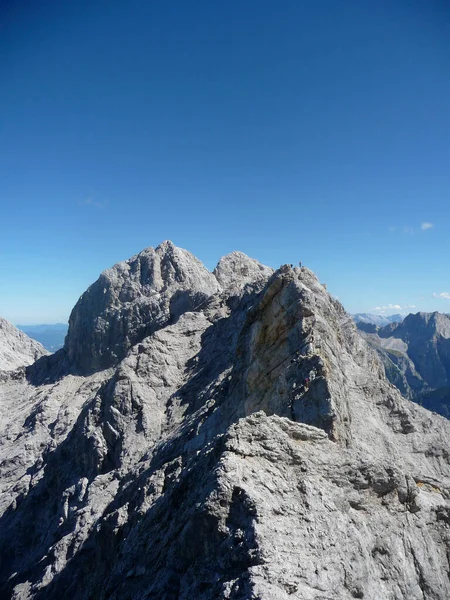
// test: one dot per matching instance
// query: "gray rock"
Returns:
(16, 348)
(132, 300)
(203, 465)
(236, 269)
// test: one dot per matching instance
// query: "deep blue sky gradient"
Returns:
(289, 130)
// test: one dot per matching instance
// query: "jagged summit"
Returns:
(246, 445)
(16, 348)
(144, 293)
(131, 300)
(423, 323)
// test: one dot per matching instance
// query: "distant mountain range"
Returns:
(378, 320)
(416, 357)
(50, 336)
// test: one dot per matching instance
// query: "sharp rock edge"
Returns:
(173, 450)
(17, 349)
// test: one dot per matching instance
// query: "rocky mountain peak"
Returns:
(133, 299)
(136, 297)
(16, 348)
(246, 445)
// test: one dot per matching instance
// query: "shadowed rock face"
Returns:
(427, 336)
(16, 348)
(204, 465)
(416, 355)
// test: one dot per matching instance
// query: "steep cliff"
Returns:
(242, 442)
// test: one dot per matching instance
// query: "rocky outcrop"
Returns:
(249, 447)
(16, 348)
(235, 270)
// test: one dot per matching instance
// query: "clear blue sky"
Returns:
(313, 130)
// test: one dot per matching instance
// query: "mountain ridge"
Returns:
(16, 348)
(247, 446)
(368, 321)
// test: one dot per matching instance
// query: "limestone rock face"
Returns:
(249, 447)
(133, 299)
(16, 348)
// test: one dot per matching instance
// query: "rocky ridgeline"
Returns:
(224, 435)
(17, 349)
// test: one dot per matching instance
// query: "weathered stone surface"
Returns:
(16, 348)
(203, 465)
(236, 269)
(132, 300)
